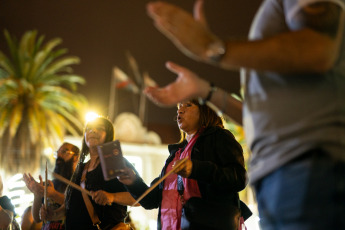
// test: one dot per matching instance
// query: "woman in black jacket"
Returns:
(203, 194)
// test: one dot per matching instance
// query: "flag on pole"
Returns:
(123, 81)
(148, 81)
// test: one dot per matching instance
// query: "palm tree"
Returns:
(38, 100)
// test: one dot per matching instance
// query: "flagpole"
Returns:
(111, 106)
(142, 105)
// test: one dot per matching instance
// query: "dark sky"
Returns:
(100, 32)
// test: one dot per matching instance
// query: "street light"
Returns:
(90, 116)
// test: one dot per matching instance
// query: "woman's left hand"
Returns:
(102, 197)
(185, 169)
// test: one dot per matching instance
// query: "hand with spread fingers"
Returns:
(186, 86)
(189, 33)
(35, 187)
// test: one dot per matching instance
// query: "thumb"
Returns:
(199, 13)
(173, 67)
(41, 180)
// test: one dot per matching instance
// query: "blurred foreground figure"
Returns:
(293, 112)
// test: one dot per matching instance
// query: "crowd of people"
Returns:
(211, 178)
(292, 110)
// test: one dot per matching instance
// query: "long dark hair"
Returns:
(110, 136)
(208, 118)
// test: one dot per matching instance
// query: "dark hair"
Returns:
(208, 118)
(75, 149)
(110, 136)
(109, 130)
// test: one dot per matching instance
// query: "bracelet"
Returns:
(209, 95)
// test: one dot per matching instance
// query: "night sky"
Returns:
(100, 32)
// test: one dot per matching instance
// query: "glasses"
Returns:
(99, 128)
(63, 152)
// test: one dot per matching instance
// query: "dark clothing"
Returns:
(218, 167)
(5, 203)
(77, 216)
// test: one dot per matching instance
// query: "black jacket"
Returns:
(218, 167)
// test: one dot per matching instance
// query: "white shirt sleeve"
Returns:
(292, 7)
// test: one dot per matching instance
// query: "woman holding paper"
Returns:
(204, 188)
(108, 198)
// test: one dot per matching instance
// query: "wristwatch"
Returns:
(216, 50)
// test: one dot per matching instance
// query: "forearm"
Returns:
(58, 197)
(300, 51)
(36, 208)
(152, 199)
(123, 198)
(231, 177)
(228, 105)
(224, 102)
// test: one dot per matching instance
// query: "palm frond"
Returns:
(4, 121)
(39, 102)
(60, 65)
(13, 48)
(34, 124)
(3, 74)
(44, 57)
(6, 64)
(26, 52)
(16, 117)
(69, 81)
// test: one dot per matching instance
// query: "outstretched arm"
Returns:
(187, 86)
(37, 189)
(312, 45)
(36, 208)
(105, 198)
(136, 186)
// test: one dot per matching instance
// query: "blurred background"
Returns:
(119, 51)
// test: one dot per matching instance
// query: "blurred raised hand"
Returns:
(37, 188)
(189, 33)
(186, 86)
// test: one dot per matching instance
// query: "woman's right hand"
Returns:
(127, 176)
